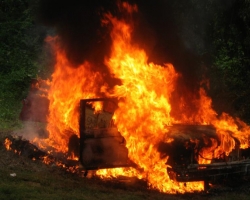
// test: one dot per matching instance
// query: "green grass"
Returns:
(9, 125)
(48, 185)
(35, 180)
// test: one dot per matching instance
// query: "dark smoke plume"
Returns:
(161, 28)
(78, 23)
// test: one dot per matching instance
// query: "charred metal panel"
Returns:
(101, 145)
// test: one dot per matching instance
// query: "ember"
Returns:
(7, 144)
(145, 136)
(24, 148)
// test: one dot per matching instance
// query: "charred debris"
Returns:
(100, 145)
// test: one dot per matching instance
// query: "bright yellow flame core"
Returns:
(144, 112)
(7, 143)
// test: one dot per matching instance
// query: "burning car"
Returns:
(186, 152)
(137, 125)
(101, 145)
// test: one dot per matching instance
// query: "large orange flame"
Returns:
(144, 109)
(69, 85)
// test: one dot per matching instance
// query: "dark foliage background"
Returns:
(218, 34)
(209, 38)
(230, 52)
(21, 44)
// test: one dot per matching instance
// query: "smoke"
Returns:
(32, 130)
(78, 24)
(171, 31)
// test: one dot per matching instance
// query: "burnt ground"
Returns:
(21, 172)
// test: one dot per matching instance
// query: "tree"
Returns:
(231, 59)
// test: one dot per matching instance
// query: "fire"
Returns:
(68, 86)
(229, 128)
(144, 113)
(7, 143)
(144, 109)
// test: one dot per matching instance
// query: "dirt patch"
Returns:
(23, 164)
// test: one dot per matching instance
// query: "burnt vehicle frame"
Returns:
(184, 151)
(94, 152)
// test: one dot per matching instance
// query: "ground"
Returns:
(22, 178)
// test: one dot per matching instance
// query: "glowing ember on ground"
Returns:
(7, 144)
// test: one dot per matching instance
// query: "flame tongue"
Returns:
(144, 110)
(69, 85)
(145, 88)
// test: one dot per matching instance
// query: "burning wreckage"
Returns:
(163, 140)
(101, 146)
